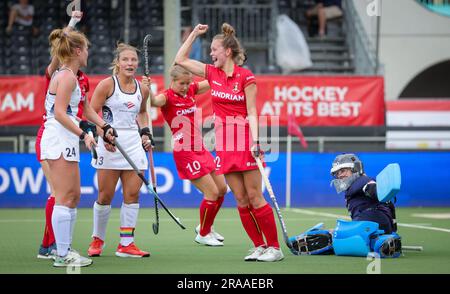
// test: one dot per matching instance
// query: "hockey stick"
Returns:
(412, 248)
(155, 226)
(150, 188)
(274, 201)
(93, 151)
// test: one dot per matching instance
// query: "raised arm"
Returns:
(54, 64)
(158, 100)
(182, 57)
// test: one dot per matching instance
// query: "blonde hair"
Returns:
(229, 40)
(121, 47)
(62, 43)
(176, 71)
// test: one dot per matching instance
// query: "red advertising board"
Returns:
(314, 101)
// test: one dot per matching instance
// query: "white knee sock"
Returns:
(101, 217)
(73, 219)
(128, 219)
(61, 220)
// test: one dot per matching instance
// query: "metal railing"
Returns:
(255, 23)
(363, 40)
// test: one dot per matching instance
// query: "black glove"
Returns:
(88, 127)
(105, 129)
(146, 131)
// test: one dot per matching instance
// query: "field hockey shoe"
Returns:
(73, 258)
(96, 247)
(47, 252)
(271, 254)
(131, 251)
(254, 253)
(208, 240)
(216, 235)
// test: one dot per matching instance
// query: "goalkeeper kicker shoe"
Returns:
(72, 258)
(208, 240)
(254, 253)
(216, 235)
(271, 254)
(96, 247)
(131, 251)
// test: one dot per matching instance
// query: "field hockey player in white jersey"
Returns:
(60, 140)
(122, 100)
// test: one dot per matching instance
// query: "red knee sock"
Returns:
(266, 220)
(218, 206)
(251, 226)
(49, 236)
(207, 213)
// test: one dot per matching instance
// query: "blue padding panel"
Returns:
(351, 246)
(388, 182)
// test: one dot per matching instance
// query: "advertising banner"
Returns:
(314, 101)
(22, 182)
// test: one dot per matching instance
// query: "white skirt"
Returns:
(57, 140)
(131, 142)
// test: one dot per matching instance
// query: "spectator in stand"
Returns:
(324, 10)
(21, 14)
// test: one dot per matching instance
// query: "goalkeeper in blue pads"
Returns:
(373, 226)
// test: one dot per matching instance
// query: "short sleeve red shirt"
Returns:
(184, 108)
(228, 95)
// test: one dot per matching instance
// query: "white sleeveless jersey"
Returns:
(72, 108)
(121, 109)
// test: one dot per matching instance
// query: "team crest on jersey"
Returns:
(235, 87)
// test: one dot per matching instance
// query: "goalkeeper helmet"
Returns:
(346, 160)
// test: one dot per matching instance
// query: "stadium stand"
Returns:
(104, 22)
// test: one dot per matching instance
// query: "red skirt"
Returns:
(233, 145)
(192, 165)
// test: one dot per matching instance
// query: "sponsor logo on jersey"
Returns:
(187, 111)
(178, 137)
(227, 96)
(217, 83)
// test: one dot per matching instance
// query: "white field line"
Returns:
(146, 219)
(331, 215)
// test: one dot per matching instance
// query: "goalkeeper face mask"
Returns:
(346, 161)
